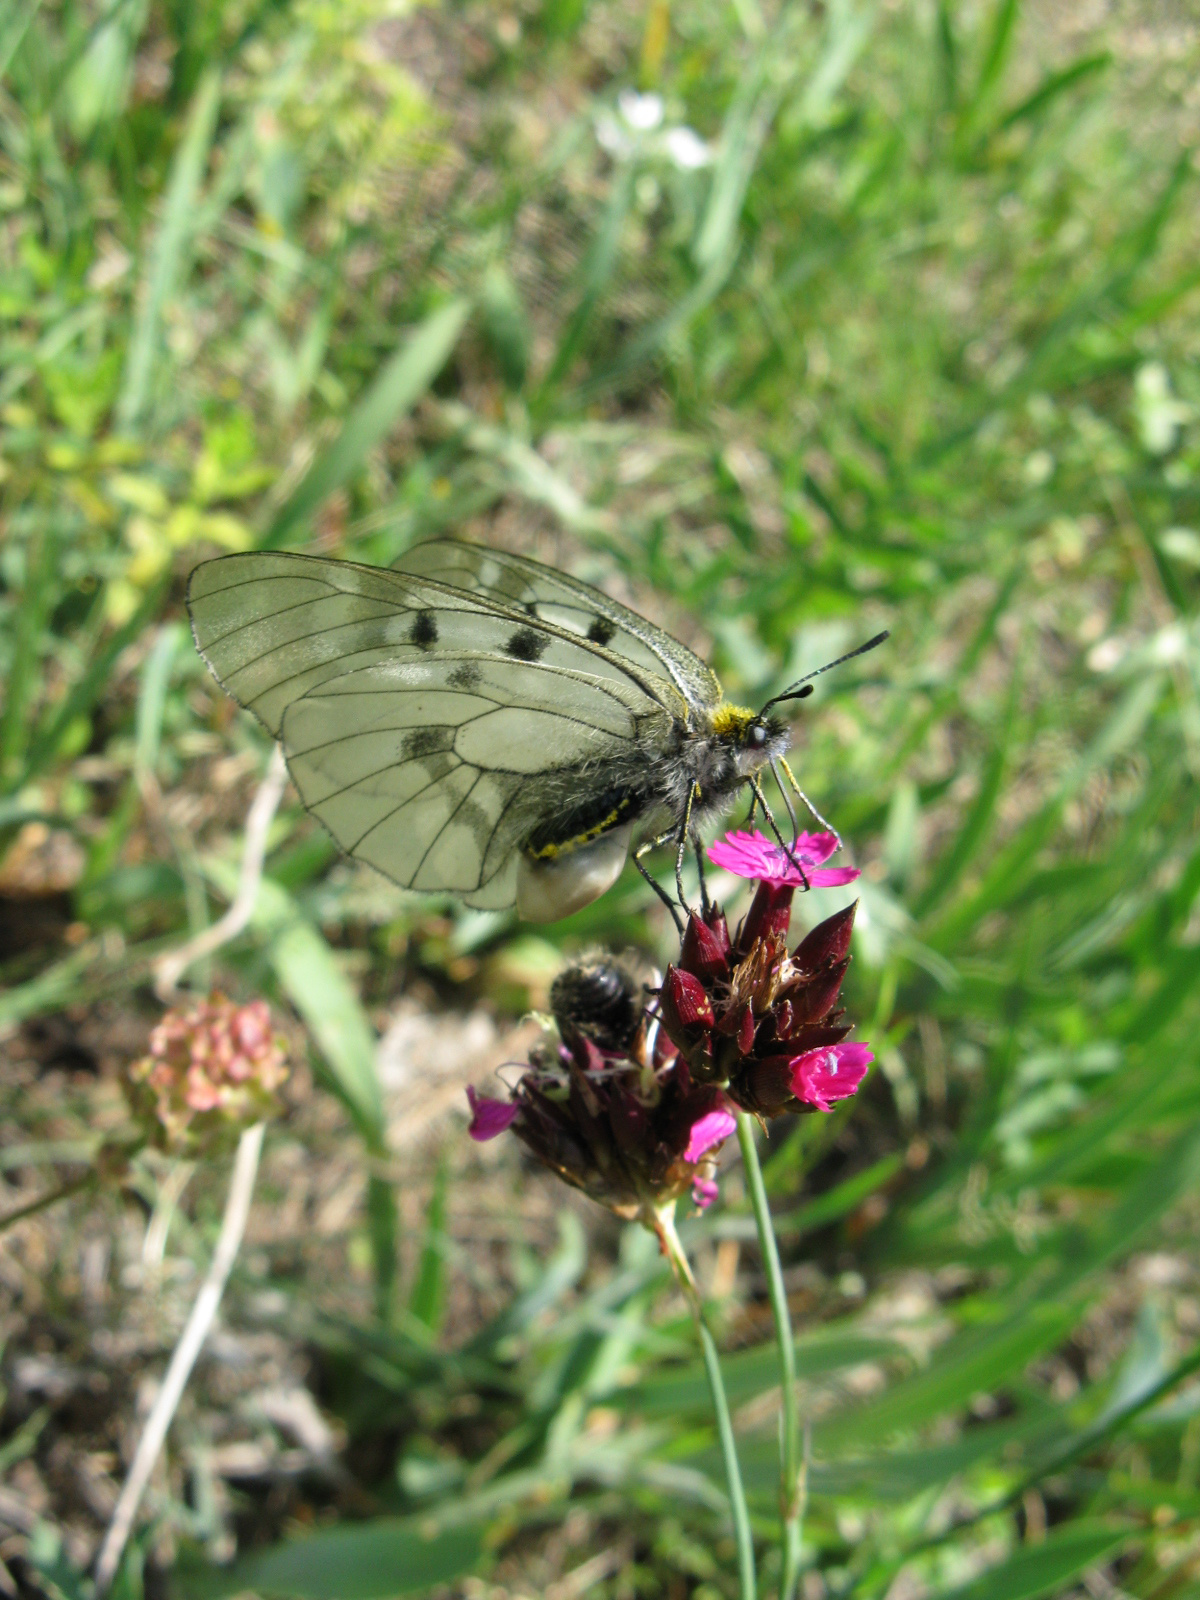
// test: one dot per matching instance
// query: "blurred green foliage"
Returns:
(874, 316)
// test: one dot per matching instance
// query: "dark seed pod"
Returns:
(599, 999)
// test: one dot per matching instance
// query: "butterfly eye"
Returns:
(756, 735)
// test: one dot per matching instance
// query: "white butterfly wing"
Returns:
(422, 725)
(523, 585)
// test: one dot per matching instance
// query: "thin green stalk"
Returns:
(793, 1480)
(663, 1224)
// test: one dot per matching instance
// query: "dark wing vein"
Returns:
(425, 854)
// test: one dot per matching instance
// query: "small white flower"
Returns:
(643, 112)
(611, 136)
(1158, 413)
(686, 148)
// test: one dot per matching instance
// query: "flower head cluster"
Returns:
(212, 1070)
(634, 1102)
(746, 1014)
(612, 1110)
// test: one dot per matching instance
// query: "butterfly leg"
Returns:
(685, 828)
(788, 850)
(644, 849)
(787, 800)
(698, 847)
(828, 826)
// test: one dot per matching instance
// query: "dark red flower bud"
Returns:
(770, 912)
(738, 1024)
(766, 1085)
(705, 950)
(629, 1120)
(686, 1008)
(816, 999)
(828, 942)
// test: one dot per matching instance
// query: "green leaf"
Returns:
(752, 1372)
(1037, 1569)
(397, 387)
(359, 1561)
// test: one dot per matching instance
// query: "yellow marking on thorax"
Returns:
(551, 852)
(729, 722)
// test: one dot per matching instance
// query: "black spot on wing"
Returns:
(465, 676)
(531, 608)
(422, 742)
(424, 630)
(527, 645)
(601, 630)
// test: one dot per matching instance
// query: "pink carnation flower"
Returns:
(822, 1077)
(489, 1117)
(707, 1131)
(752, 855)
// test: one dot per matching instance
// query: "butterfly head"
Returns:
(753, 737)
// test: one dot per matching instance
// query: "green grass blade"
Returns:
(88, 689)
(1005, 878)
(598, 270)
(152, 700)
(746, 127)
(428, 1300)
(168, 255)
(996, 51)
(400, 383)
(1039, 1569)
(947, 55)
(362, 1561)
(1055, 85)
(15, 17)
(21, 683)
(978, 820)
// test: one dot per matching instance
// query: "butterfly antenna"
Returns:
(796, 691)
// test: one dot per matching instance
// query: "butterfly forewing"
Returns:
(424, 725)
(529, 587)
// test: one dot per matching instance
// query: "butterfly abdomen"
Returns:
(582, 820)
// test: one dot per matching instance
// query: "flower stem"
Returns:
(179, 1369)
(792, 1474)
(663, 1224)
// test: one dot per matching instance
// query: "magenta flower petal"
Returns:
(822, 1077)
(704, 1192)
(708, 1131)
(753, 855)
(830, 877)
(490, 1117)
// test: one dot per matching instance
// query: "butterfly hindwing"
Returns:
(422, 724)
(527, 586)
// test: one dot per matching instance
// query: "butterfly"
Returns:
(474, 723)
